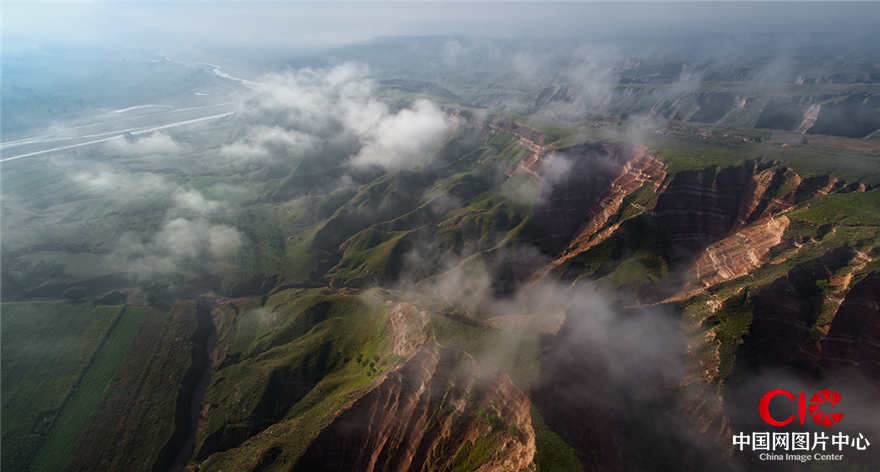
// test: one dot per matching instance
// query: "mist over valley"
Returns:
(438, 237)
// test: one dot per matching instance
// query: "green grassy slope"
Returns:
(82, 405)
(46, 349)
(290, 366)
(152, 352)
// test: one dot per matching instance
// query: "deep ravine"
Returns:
(179, 448)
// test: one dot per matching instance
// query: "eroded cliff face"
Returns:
(781, 349)
(853, 341)
(721, 224)
(575, 205)
(735, 255)
(530, 139)
(695, 211)
(783, 313)
(639, 170)
(810, 117)
(392, 399)
(730, 237)
(619, 405)
(701, 207)
(272, 388)
(583, 187)
(792, 313)
(436, 412)
(407, 324)
(605, 212)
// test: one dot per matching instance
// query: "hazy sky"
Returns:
(311, 25)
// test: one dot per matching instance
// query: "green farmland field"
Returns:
(46, 346)
(59, 444)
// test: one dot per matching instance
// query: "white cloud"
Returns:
(222, 240)
(185, 238)
(119, 183)
(301, 111)
(187, 233)
(557, 168)
(407, 138)
(178, 242)
(152, 144)
(264, 141)
(194, 201)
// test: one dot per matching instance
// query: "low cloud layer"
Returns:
(404, 139)
(592, 314)
(189, 234)
(158, 144)
(180, 241)
(108, 181)
(263, 142)
(194, 202)
(310, 110)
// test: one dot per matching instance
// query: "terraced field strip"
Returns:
(136, 413)
(88, 392)
(46, 348)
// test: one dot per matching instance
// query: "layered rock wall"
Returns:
(433, 413)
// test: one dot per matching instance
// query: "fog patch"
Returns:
(263, 142)
(178, 243)
(187, 235)
(114, 183)
(191, 238)
(308, 111)
(405, 139)
(640, 129)
(265, 317)
(194, 202)
(158, 144)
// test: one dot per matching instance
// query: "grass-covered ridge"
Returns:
(292, 364)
